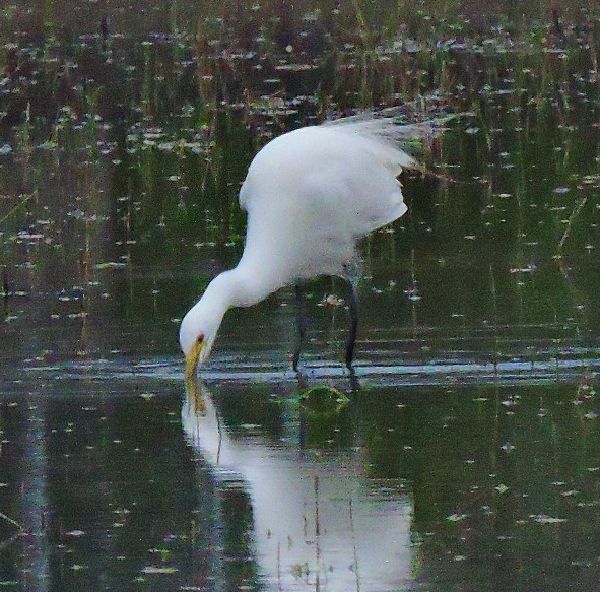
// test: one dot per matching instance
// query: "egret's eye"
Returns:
(200, 338)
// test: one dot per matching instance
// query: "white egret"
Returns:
(311, 194)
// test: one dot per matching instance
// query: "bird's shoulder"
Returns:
(291, 164)
(284, 164)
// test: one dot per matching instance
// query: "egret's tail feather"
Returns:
(389, 127)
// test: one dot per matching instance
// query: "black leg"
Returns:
(301, 324)
(353, 311)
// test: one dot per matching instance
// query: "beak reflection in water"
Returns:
(192, 384)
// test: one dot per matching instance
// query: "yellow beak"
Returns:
(191, 360)
(192, 385)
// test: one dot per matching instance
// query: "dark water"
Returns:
(418, 488)
(467, 453)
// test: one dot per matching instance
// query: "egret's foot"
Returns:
(295, 360)
(353, 312)
(354, 384)
(349, 356)
(302, 379)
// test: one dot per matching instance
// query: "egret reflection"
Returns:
(318, 522)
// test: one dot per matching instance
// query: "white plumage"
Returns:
(310, 194)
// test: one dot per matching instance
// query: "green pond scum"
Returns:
(464, 453)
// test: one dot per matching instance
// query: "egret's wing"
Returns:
(386, 128)
(312, 193)
(326, 181)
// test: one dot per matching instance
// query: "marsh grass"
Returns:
(153, 130)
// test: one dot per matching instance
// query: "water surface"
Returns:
(466, 455)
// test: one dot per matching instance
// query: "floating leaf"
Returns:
(75, 533)
(569, 493)
(150, 570)
(543, 519)
(110, 265)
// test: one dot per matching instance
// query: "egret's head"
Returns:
(200, 325)
(196, 336)
(199, 328)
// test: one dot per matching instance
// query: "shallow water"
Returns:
(403, 488)
(467, 454)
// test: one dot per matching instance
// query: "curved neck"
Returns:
(244, 287)
(241, 286)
